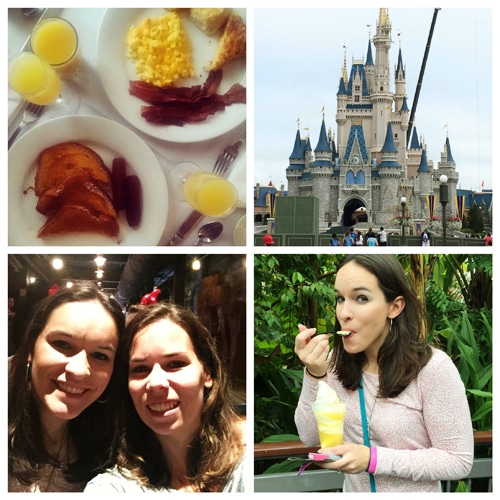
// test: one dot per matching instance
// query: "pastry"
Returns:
(209, 20)
(232, 43)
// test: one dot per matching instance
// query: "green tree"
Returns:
(475, 219)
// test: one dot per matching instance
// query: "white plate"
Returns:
(108, 139)
(116, 71)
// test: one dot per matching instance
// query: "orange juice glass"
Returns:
(56, 41)
(210, 194)
(33, 79)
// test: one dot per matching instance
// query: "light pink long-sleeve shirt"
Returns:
(422, 436)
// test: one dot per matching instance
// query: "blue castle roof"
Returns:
(389, 144)
(423, 167)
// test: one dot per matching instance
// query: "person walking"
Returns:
(372, 241)
(369, 234)
(359, 239)
(334, 241)
(347, 239)
(382, 237)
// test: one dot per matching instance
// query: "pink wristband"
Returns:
(373, 460)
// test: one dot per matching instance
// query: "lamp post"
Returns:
(443, 199)
(403, 210)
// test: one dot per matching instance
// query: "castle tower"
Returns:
(390, 173)
(423, 189)
(381, 96)
(414, 155)
(447, 167)
(296, 166)
(322, 170)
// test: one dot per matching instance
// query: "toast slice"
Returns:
(232, 43)
(56, 163)
(79, 190)
(77, 219)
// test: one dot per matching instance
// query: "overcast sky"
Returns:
(298, 61)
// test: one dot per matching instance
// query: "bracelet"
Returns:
(314, 376)
(373, 460)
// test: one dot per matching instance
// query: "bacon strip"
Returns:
(156, 95)
(180, 113)
(181, 105)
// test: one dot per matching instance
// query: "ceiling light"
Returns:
(196, 265)
(100, 261)
(57, 263)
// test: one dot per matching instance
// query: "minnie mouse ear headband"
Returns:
(151, 297)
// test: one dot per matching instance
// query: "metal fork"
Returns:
(30, 114)
(227, 156)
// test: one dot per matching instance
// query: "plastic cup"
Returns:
(330, 419)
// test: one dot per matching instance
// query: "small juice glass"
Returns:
(56, 41)
(33, 79)
(210, 194)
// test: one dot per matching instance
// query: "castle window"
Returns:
(360, 177)
(349, 177)
(356, 98)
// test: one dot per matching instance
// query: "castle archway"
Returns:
(354, 212)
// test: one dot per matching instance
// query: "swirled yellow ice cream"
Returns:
(329, 412)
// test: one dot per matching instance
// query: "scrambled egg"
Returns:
(161, 49)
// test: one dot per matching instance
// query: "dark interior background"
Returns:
(216, 292)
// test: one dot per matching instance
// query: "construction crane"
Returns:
(421, 77)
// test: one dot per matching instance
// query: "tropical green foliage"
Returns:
(294, 289)
(289, 289)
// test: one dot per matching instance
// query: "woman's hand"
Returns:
(312, 351)
(355, 458)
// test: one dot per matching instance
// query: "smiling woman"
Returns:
(61, 397)
(180, 431)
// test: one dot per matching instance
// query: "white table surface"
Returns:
(94, 101)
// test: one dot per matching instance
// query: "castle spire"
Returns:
(344, 69)
(298, 148)
(323, 142)
(383, 18)
(449, 156)
(389, 144)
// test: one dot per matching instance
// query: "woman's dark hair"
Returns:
(214, 452)
(404, 352)
(91, 432)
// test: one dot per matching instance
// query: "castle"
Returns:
(366, 173)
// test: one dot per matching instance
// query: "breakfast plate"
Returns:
(108, 139)
(116, 71)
